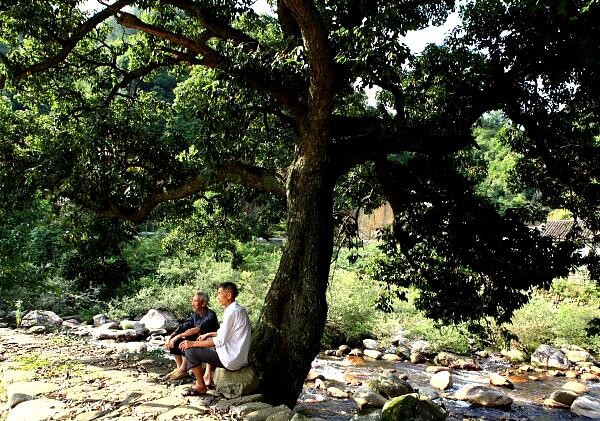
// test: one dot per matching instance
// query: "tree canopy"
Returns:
(149, 101)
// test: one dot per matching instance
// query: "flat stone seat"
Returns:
(233, 384)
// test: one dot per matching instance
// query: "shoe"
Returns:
(169, 374)
(178, 375)
(192, 392)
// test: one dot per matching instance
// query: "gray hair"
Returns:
(203, 297)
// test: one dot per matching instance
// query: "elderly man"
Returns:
(203, 320)
(228, 347)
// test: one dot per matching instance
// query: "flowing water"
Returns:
(350, 372)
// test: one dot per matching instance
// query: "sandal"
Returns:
(192, 392)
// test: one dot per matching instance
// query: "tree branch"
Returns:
(266, 180)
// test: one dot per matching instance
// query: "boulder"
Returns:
(100, 319)
(126, 335)
(412, 407)
(157, 319)
(36, 329)
(428, 392)
(576, 387)
(436, 369)
(24, 391)
(501, 381)
(549, 357)
(70, 324)
(417, 357)
(313, 375)
(422, 347)
(284, 414)
(132, 324)
(356, 352)
(590, 377)
(577, 354)
(371, 344)
(441, 380)
(373, 353)
(451, 360)
(345, 349)
(233, 384)
(36, 410)
(370, 415)
(368, 398)
(224, 405)
(41, 318)
(246, 408)
(390, 357)
(586, 406)
(551, 403)
(403, 351)
(265, 413)
(483, 395)
(565, 397)
(389, 385)
(336, 392)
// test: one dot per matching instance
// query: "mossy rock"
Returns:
(412, 407)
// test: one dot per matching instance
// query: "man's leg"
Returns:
(198, 374)
(208, 375)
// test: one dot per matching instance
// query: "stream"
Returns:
(348, 373)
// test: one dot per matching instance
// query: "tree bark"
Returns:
(293, 317)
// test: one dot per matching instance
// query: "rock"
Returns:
(337, 393)
(421, 347)
(586, 406)
(129, 347)
(390, 357)
(586, 365)
(36, 329)
(233, 384)
(339, 353)
(498, 380)
(314, 375)
(224, 405)
(100, 319)
(156, 319)
(246, 408)
(70, 324)
(515, 355)
(320, 384)
(24, 391)
(403, 351)
(345, 349)
(436, 369)
(482, 354)
(451, 360)
(370, 415)
(551, 403)
(41, 318)
(571, 374)
(263, 414)
(371, 344)
(372, 353)
(590, 377)
(368, 398)
(550, 357)
(525, 368)
(330, 352)
(441, 380)
(36, 410)
(416, 358)
(428, 392)
(483, 395)
(577, 354)
(300, 417)
(110, 325)
(389, 385)
(356, 352)
(595, 369)
(412, 407)
(565, 397)
(132, 324)
(576, 387)
(556, 373)
(117, 335)
(285, 414)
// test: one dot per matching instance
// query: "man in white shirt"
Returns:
(228, 347)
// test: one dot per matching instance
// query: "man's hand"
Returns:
(186, 345)
(203, 337)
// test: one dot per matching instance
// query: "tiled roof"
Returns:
(561, 228)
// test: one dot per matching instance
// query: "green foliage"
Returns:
(19, 312)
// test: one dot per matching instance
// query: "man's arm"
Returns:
(206, 343)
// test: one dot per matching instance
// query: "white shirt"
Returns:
(232, 342)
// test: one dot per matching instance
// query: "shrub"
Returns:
(533, 323)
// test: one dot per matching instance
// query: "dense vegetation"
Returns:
(212, 125)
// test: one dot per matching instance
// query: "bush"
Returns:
(533, 323)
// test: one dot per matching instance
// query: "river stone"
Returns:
(132, 324)
(313, 375)
(373, 353)
(24, 391)
(41, 318)
(498, 380)
(36, 329)
(451, 360)
(412, 407)
(590, 377)
(428, 392)
(345, 349)
(337, 392)
(483, 395)
(515, 355)
(35, 410)
(246, 408)
(224, 405)
(421, 347)
(417, 357)
(99, 319)
(576, 387)
(356, 352)
(263, 414)
(549, 357)
(441, 380)
(368, 398)
(403, 351)
(595, 369)
(389, 385)
(182, 412)
(371, 415)
(566, 397)
(551, 403)
(586, 406)
(390, 357)
(126, 335)
(156, 319)
(370, 344)
(70, 324)
(233, 384)
(571, 374)
(285, 414)
(436, 369)
(301, 417)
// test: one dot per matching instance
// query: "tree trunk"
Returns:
(293, 317)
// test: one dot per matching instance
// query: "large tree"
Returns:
(269, 104)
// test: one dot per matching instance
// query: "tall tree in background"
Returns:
(269, 105)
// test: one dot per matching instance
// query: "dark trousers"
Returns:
(176, 350)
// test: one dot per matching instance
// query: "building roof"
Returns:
(561, 228)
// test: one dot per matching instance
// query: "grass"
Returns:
(48, 368)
